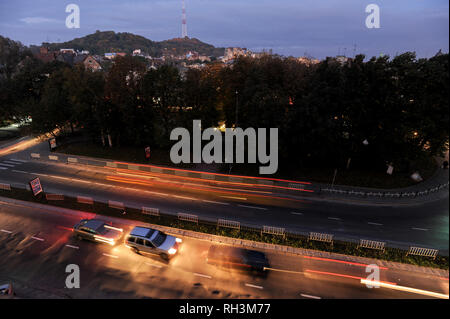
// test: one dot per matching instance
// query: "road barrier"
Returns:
(228, 224)
(114, 204)
(235, 179)
(207, 176)
(53, 157)
(327, 238)
(150, 211)
(35, 155)
(72, 160)
(133, 167)
(279, 231)
(295, 185)
(425, 252)
(265, 182)
(6, 187)
(188, 217)
(371, 244)
(85, 200)
(181, 173)
(54, 196)
(111, 164)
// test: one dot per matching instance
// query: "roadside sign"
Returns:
(36, 186)
(52, 143)
(147, 152)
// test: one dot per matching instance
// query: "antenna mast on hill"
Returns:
(183, 21)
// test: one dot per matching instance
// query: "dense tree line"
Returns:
(367, 113)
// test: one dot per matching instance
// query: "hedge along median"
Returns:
(247, 233)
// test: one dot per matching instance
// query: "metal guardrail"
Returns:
(150, 211)
(85, 200)
(6, 187)
(279, 231)
(425, 252)
(372, 244)
(327, 238)
(188, 217)
(54, 196)
(114, 204)
(387, 194)
(228, 224)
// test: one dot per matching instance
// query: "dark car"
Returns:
(238, 258)
(98, 231)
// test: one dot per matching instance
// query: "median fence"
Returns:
(380, 194)
(235, 229)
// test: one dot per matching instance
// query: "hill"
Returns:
(108, 41)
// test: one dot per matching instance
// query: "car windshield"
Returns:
(159, 239)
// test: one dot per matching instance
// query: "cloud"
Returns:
(34, 20)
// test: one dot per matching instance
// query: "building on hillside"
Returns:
(307, 61)
(232, 53)
(88, 61)
(113, 55)
(72, 51)
(45, 55)
(137, 52)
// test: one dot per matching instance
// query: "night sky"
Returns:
(318, 28)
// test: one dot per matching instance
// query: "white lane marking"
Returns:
(254, 207)
(157, 266)
(310, 296)
(184, 197)
(9, 162)
(296, 213)
(40, 174)
(334, 218)
(17, 171)
(376, 224)
(108, 255)
(214, 202)
(201, 275)
(74, 247)
(37, 238)
(6, 231)
(254, 286)
(232, 197)
(422, 229)
(17, 160)
(7, 165)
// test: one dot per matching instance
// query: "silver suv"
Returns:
(152, 241)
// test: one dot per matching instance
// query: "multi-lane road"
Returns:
(36, 245)
(402, 225)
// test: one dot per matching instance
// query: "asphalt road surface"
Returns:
(37, 245)
(399, 225)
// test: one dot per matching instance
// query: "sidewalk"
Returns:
(241, 242)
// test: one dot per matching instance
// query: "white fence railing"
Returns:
(188, 217)
(327, 238)
(228, 224)
(279, 231)
(425, 252)
(150, 211)
(372, 244)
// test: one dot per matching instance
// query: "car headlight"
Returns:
(178, 240)
(172, 251)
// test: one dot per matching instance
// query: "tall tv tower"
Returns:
(183, 21)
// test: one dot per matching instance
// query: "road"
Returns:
(400, 225)
(36, 246)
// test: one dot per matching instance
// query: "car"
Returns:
(143, 240)
(98, 231)
(238, 258)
